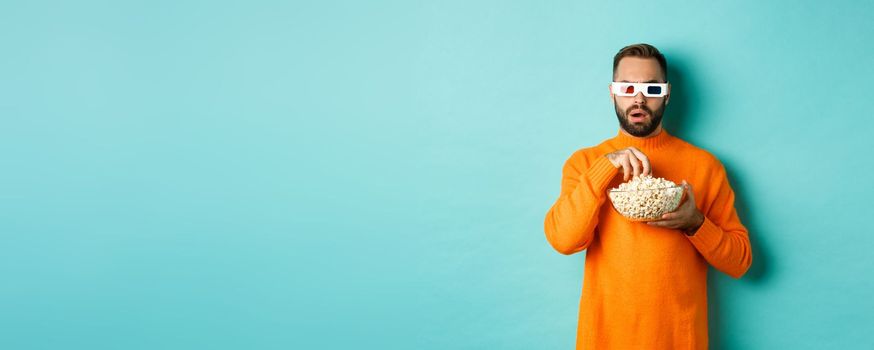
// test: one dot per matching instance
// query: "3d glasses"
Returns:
(631, 89)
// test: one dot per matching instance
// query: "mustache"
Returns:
(640, 107)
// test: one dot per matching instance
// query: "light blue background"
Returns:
(333, 175)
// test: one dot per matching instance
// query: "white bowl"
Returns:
(646, 205)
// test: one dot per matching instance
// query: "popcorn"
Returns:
(646, 198)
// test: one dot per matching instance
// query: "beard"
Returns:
(640, 129)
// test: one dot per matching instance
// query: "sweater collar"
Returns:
(653, 142)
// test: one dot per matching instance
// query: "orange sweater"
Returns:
(645, 287)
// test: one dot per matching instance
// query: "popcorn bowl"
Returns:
(646, 204)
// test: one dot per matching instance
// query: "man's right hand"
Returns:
(632, 161)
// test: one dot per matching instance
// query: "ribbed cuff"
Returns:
(600, 174)
(707, 237)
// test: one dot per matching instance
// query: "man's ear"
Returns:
(610, 89)
(668, 97)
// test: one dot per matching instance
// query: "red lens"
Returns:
(629, 89)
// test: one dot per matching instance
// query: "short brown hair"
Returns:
(643, 51)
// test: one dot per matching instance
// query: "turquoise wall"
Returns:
(333, 175)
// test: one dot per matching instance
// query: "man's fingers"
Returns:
(664, 223)
(632, 161)
(647, 170)
(626, 168)
(689, 191)
(669, 220)
(688, 197)
(635, 163)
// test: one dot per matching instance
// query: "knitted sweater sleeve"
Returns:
(570, 222)
(722, 240)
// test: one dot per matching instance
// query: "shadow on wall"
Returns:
(680, 115)
(682, 118)
(762, 269)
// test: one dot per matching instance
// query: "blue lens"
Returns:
(654, 90)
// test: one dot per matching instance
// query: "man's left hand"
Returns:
(686, 218)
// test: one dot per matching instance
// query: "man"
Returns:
(645, 284)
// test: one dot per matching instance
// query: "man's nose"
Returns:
(639, 97)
